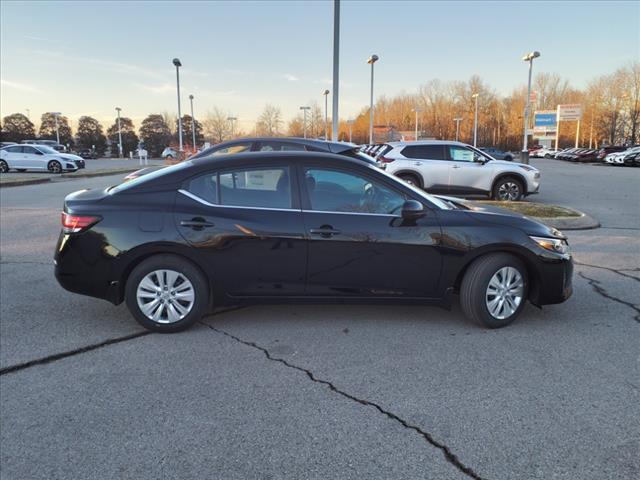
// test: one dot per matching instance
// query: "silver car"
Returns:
(456, 168)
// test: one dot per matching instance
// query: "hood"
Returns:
(506, 163)
(69, 156)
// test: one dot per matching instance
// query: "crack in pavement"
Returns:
(618, 271)
(597, 286)
(448, 454)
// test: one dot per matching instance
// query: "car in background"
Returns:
(39, 158)
(88, 154)
(299, 227)
(567, 153)
(544, 152)
(583, 155)
(49, 143)
(6, 144)
(455, 168)
(284, 144)
(497, 153)
(604, 151)
(169, 154)
(630, 157)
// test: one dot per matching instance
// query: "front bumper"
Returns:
(555, 280)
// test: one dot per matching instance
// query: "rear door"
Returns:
(431, 162)
(247, 224)
(13, 156)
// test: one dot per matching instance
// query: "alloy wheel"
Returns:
(509, 191)
(504, 293)
(4, 168)
(165, 296)
(55, 167)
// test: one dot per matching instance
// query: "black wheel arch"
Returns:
(515, 175)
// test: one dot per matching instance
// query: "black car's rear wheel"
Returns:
(494, 290)
(4, 168)
(508, 189)
(167, 294)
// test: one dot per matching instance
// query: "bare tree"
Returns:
(216, 126)
(269, 122)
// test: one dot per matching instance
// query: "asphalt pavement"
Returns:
(317, 392)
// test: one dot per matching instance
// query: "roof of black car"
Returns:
(268, 157)
(333, 147)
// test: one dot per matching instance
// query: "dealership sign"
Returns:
(569, 111)
(544, 118)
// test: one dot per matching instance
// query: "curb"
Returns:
(583, 222)
(27, 181)
(35, 181)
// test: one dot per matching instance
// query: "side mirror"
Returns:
(412, 210)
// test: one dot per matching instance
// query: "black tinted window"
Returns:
(205, 187)
(339, 191)
(426, 152)
(280, 147)
(268, 188)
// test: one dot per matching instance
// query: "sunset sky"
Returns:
(87, 58)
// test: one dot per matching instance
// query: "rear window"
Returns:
(425, 152)
(151, 176)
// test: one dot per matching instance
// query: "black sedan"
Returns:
(291, 227)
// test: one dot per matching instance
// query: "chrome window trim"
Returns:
(208, 204)
(353, 213)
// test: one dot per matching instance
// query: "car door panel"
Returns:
(430, 161)
(467, 175)
(357, 254)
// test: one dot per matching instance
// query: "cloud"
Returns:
(19, 86)
(38, 39)
(160, 89)
(290, 78)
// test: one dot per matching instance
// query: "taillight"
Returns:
(77, 223)
(384, 159)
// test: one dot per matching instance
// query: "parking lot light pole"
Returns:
(350, 122)
(56, 115)
(524, 157)
(119, 134)
(372, 59)
(326, 114)
(193, 124)
(177, 63)
(304, 120)
(232, 120)
(417, 110)
(457, 120)
(475, 121)
(335, 117)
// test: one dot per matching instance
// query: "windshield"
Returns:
(45, 149)
(430, 198)
(150, 176)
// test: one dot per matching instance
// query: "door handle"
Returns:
(456, 166)
(196, 223)
(325, 231)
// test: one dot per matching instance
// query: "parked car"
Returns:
(49, 143)
(567, 153)
(169, 154)
(456, 168)
(305, 227)
(604, 151)
(583, 155)
(497, 153)
(544, 152)
(88, 154)
(631, 157)
(38, 157)
(282, 144)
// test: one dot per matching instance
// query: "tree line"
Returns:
(610, 103)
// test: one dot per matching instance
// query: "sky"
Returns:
(86, 58)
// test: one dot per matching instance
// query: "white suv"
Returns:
(456, 168)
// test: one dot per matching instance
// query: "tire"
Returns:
(174, 314)
(475, 296)
(547, 155)
(508, 189)
(54, 167)
(411, 179)
(4, 167)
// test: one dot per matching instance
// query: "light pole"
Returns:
(350, 122)
(193, 125)
(304, 121)
(475, 121)
(417, 110)
(119, 134)
(232, 121)
(56, 115)
(177, 63)
(335, 117)
(524, 156)
(326, 114)
(457, 120)
(372, 59)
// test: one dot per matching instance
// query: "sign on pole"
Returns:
(545, 124)
(569, 111)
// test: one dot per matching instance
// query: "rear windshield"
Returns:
(150, 176)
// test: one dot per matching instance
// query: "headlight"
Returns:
(555, 245)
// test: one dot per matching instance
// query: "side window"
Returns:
(267, 188)
(14, 149)
(280, 147)
(231, 149)
(340, 191)
(425, 152)
(205, 187)
(31, 151)
(460, 154)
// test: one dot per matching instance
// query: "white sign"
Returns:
(569, 111)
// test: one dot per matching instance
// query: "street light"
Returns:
(457, 120)
(193, 125)
(304, 121)
(119, 134)
(475, 121)
(350, 122)
(417, 110)
(176, 62)
(372, 59)
(56, 115)
(524, 157)
(232, 120)
(326, 114)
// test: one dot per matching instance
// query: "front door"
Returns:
(32, 158)
(359, 245)
(469, 174)
(248, 229)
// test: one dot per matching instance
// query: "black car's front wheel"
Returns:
(494, 290)
(166, 293)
